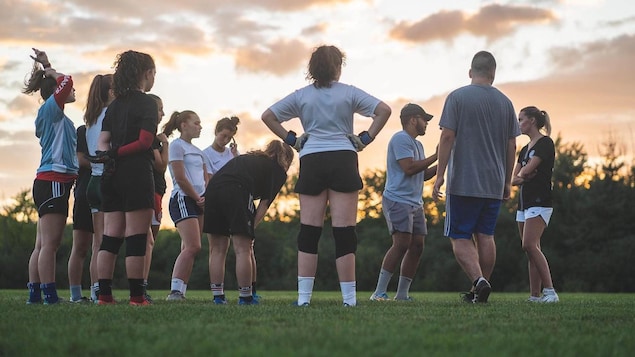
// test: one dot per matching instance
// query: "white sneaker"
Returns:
(175, 295)
(379, 297)
(549, 297)
(534, 299)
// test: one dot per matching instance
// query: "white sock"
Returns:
(382, 281)
(349, 292)
(549, 291)
(403, 287)
(305, 289)
(184, 289)
(177, 284)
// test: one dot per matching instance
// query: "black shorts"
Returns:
(82, 217)
(183, 207)
(93, 194)
(129, 188)
(335, 170)
(229, 209)
(51, 197)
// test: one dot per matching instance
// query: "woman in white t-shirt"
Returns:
(218, 153)
(188, 169)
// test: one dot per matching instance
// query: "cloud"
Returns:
(491, 21)
(279, 57)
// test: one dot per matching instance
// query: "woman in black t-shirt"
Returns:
(230, 210)
(128, 130)
(533, 174)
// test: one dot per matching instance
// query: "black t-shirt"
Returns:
(258, 174)
(160, 185)
(82, 148)
(536, 192)
(126, 116)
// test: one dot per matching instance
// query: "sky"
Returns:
(572, 58)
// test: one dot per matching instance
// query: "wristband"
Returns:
(365, 137)
(291, 138)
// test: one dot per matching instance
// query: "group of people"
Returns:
(118, 163)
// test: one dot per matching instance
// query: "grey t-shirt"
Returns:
(484, 120)
(399, 186)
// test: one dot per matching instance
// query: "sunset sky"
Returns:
(573, 58)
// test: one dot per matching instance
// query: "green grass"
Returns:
(435, 324)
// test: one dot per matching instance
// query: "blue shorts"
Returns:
(183, 207)
(466, 215)
(403, 217)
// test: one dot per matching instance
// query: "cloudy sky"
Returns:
(572, 58)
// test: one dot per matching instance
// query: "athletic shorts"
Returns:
(82, 216)
(129, 188)
(51, 197)
(531, 212)
(93, 194)
(404, 217)
(183, 207)
(158, 209)
(468, 215)
(229, 210)
(335, 170)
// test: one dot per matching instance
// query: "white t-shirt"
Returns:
(194, 163)
(326, 114)
(92, 136)
(215, 159)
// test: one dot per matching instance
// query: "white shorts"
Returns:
(531, 212)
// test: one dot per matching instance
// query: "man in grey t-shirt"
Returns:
(402, 202)
(478, 148)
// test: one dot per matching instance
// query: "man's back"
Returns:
(483, 120)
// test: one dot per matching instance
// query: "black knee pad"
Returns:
(136, 245)
(111, 244)
(345, 240)
(308, 238)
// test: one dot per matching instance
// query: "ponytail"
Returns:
(176, 119)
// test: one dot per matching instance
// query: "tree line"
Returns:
(589, 242)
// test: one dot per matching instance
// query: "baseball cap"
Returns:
(412, 109)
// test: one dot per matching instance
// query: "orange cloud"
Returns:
(279, 58)
(491, 21)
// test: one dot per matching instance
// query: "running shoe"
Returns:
(220, 300)
(175, 295)
(380, 297)
(482, 291)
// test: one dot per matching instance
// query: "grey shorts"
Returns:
(404, 217)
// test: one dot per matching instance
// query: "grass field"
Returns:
(435, 324)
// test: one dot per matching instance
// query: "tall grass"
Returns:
(435, 324)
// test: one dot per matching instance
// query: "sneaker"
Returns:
(220, 300)
(533, 299)
(51, 302)
(256, 297)
(82, 300)
(242, 301)
(481, 291)
(348, 305)
(380, 297)
(148, 297)
(38, 302)
(104, 302)
(295, 303)
(142, 303)
(407, 298)
(549, 297)
(467, 297)
(175, 295)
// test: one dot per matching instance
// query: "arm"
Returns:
(261, 211)
(430, 173)
(509, 165)
(83, 162)
(103, 143)
(142, 143)
(412, 167)
(178, 170)
(528, 171)
(161, 158)
(382, 113)
(517, 180)
(446, 142)
(273, 124)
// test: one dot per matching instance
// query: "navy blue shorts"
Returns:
(183, 207)
(465, 216)
(51, 197)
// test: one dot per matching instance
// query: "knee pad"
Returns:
(308, 238)
(345, 240)
(111, 244)
(136, 245)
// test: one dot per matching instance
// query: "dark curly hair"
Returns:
(129, 69)
(325, 65)
(230, 124)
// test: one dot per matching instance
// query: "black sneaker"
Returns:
(148, 297)
(467, 297)
(481, 291)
